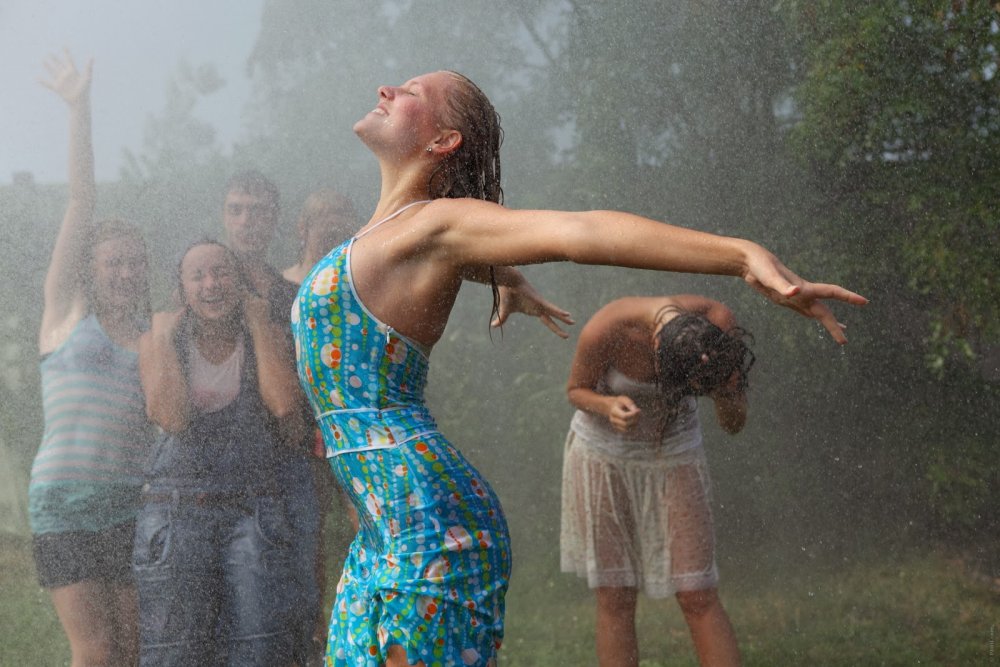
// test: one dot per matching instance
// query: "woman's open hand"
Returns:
(766, 274)
(69, 83)
(524, 298)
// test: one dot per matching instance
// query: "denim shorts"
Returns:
(68, 558)
(216, 581)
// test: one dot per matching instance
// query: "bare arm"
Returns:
(276, 378)
(730, 406)
(594, 352)
(471, 233)
(162, 376)
(517, 295)
(64, 295)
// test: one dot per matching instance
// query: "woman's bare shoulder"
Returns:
(459, 211)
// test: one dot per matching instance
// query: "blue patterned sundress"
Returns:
(430, 566)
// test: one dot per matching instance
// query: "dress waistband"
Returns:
(362, 429)
(378, 412)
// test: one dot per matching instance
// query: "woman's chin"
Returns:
(214, 314)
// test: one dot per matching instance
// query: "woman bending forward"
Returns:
(635, 497)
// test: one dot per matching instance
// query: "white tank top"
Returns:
(214, 386)
(650, 437)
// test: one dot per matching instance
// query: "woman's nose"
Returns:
(385, 92)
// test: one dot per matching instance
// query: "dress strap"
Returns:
(390, 217)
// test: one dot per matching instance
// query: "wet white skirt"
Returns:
(644, 524)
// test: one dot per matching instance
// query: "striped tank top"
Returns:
(88, 470)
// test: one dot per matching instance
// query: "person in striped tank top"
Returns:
(85, 480)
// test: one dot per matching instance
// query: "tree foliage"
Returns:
(900, 125)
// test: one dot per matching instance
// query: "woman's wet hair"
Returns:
(472, 170)
(114, 229)
(694, 357)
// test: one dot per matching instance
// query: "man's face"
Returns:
(250, 221)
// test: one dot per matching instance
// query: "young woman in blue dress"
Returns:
(425, 580)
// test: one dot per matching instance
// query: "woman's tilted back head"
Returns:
(695, 357)
(473, 169)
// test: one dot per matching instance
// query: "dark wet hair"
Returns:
(473, 169)
(694, 357)
(255, 183)
(113, 229)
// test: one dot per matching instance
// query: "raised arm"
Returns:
(279, 386)
(600, 337)
(163, 381)
(472, 232)
(65, 298)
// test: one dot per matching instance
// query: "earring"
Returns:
(428, 149)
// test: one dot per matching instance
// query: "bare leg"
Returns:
(84, 609)
(617, 644)
(711, 631)
(125, 599)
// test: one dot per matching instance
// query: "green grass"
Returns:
(913, 607)
(30, 633)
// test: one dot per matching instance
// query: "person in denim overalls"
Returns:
(214, 557)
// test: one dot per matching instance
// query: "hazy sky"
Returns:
(136, 46)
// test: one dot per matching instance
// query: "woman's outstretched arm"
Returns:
(65, 297)
(471, 232)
